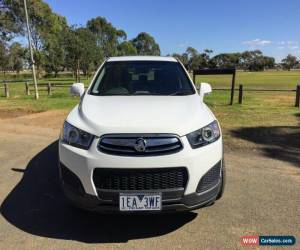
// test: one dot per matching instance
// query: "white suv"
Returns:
(141, 139)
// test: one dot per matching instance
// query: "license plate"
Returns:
(140, 202)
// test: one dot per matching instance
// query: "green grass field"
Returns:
(266, 79)
(258, 108)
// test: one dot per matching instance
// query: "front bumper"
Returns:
(82, 163)
(79, 198)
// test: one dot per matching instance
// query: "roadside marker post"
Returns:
(27, 90)
(49, 88)
(6, 90)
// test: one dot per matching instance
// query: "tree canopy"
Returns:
(289, 62)
(145, 45)
(107, 36)
(247, 60)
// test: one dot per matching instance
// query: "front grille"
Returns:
(140, 179)
(210, 179)
(140, 145)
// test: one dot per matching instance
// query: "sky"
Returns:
(224, 26)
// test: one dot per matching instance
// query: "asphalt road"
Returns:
(262, 197)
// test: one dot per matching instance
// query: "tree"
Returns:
(253, 60)
(16, 57)
(191, 52)
(45, 26)
(54, 57)
(9, 24)
(269, 62)
(195, 59)
(81, 50)
(248, 60)
(183, 58)
(289, 62)
(3, 58)
(206, 56)
(192, 59)
(37, 12)
(145, 45)
(126, 48)
(107, 36)
(54, 46)
(226, 60)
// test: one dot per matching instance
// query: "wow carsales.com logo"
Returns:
(268, 240)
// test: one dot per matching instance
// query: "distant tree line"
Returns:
(59, 47)
(253, 60)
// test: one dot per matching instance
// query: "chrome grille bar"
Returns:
(126, 144)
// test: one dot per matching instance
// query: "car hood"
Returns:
(140, 114)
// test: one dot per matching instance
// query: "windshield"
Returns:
(142, 78)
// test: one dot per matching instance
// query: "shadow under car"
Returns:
(37, 206)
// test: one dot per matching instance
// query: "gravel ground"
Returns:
(262, 197)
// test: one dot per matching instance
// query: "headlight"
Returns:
(205, 135)
(76, 137)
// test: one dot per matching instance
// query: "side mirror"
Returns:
(204, 89)
(77, 89)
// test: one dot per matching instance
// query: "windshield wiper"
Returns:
(181, 93)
